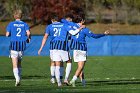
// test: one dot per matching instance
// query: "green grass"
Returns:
(103, 75)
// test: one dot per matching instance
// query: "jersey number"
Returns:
(57, 31)
(18, 32)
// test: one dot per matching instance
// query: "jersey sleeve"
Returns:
(8, 28)
(91, 34)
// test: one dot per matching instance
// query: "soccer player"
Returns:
(20, 35)
(59, 43)
(79, 47)
(68, 21)
(49, 33)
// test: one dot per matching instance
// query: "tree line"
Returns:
(100, 11)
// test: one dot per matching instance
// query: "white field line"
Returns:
(88, 79)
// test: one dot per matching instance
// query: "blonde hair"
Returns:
(17, 14)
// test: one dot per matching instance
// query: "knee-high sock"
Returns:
(52, 69)
(16, 74)
(68, 70)
(57, 73)
(74, 78)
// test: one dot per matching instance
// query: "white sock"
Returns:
(15, 71)
(61, 72)
(74, 78)
(57, 73)
(52, 69)
(68, 70)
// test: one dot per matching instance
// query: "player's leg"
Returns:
(57, 72)
(67, 71)
(52, 67)
(57, 60)
(61, 71)
(52, 70)
(14, 56)
(77, 73)
(66, 58)
(80, 58)
(82, 78)
(20, 53)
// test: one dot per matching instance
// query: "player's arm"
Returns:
(43, 43)
(74, 32)
(91, 34)
(28, 36)
(8, 30)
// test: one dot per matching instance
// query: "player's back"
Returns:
(60, 40)
(17, 30)
(60, 31)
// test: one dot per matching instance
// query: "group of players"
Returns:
(60, 45)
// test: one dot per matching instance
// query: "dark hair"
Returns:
(69, 15)
(54, 16)
(79, 19)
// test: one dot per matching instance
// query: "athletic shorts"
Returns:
(79, 55)
(16, 54)
(51, 54)
(60, 55)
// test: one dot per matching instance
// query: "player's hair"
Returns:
(54, 17)
(79, 19)
(69, 15)
(17, 13)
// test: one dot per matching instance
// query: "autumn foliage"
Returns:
(42, 9)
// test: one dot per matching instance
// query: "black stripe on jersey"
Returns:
(22, 45)
(17, 45)
(60, 44)
(63, 48)
(55, 43)
(75, 45)
(79, 45)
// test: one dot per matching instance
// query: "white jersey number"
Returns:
(18, 32)
(57, 31)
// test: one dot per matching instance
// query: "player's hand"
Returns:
(106, 32)
(28, 40)
(39, 51)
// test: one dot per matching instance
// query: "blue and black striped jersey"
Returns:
(78, 41)
(59, 33)
(17, 30)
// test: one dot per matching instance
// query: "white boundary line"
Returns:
(94, 79)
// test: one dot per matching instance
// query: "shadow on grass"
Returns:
(23, 77)
(113, 82)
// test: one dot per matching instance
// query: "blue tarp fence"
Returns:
(111, 45)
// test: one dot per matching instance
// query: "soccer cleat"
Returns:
(66, 82)
(17, 83)
(83, 83)
(59, 84)
(72, 83)
(52, 80)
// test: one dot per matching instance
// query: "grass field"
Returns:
(113, 74)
